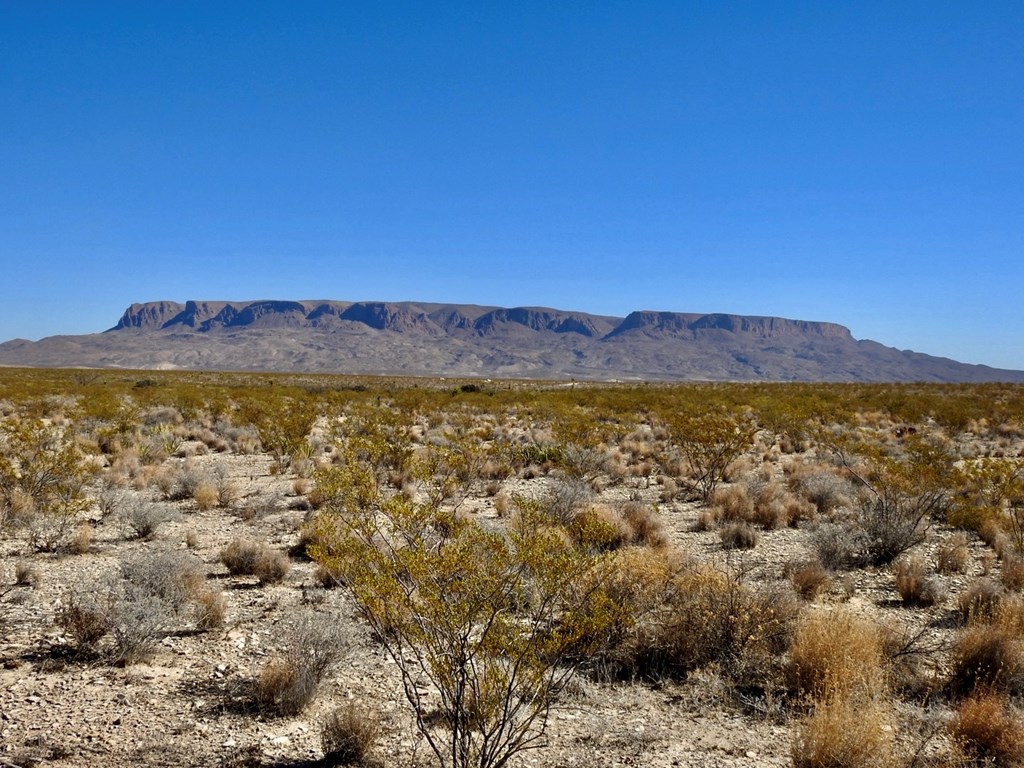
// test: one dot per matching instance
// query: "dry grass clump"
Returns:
(980, 601)
(645, 523)
(289, 680)
(836, 652)
(809, 578)
(738, 536)
(1011, 573)
(917, 585)
(26, 574)
(952, 555)
(775, 507)
(210, 608)
(348, 734)
(206, 496)
(681, 617)
(845, 733)
(987, 657)
(81, 541)
(252, 558)
(732, 503)
(986, 730)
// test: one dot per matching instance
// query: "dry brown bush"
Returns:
(733, 503)
(738, 536)
(1012, 572)
(645, 523)
(502, 504)
(980, 601)
(987, 731)
(689, 616)
(210, 608)
(84, 620)
(26, 574)
(289, 680)
(915, 582)
(205, 496)
(987, 657)
(809, 578)
(836, 652)
(81, 542)
(845, 733)
(251, 558)
(821, 486)
(952, 554)
(348, 734)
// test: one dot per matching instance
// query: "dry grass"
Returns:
(845, 733)
(738, 536)
(348, 734)
(980, 601)
(987, 731)
(81, 542)
(836, 652)
(645, 523)
(206, 496)
(210, 609)
(251, 558)
(1012, 572)
(987, 657)
(810, 579)
(952, 555)
(289, 681)
(917, 585)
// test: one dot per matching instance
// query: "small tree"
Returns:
(494, 619)
(903, 493)
(42, 480)
(283, 423)
(710, 442)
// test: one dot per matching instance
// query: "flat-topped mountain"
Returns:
(430, 339)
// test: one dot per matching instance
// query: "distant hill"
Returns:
(413, 338)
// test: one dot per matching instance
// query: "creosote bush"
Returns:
(42, 481)
(496, 622)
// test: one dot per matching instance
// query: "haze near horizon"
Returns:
(859, 165)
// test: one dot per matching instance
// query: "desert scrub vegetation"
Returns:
(497, 621)
(143, 599)
(243, 557)
(43, 476)
(565, 541)
(289, 680)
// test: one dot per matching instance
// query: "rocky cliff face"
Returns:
(415, 338)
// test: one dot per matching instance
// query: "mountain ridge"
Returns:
(438, 339)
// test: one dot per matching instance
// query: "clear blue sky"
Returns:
(861, 163)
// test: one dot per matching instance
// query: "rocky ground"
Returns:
(189, 705)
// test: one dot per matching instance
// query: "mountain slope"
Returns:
(414, 338)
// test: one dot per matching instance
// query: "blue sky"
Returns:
(861, 163)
